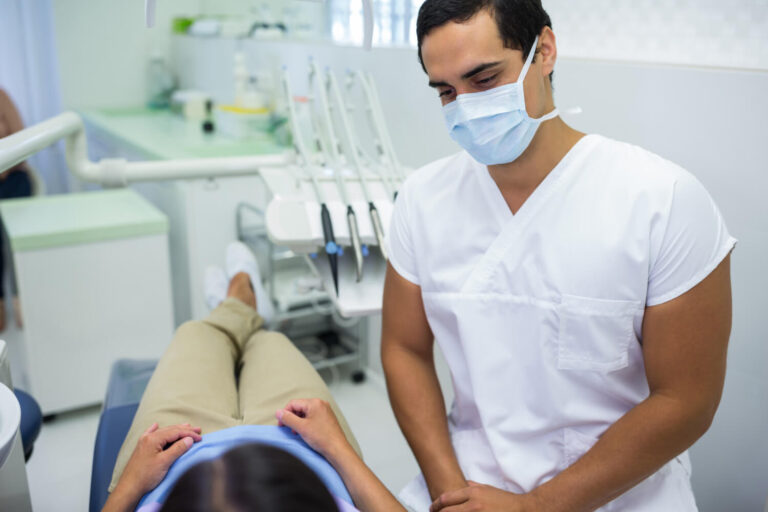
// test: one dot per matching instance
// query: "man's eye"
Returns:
(486, 80)
(445, 93)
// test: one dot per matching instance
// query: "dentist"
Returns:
(578, 287)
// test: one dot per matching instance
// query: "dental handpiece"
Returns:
(354, 231)
(331, 249)
(352, 142)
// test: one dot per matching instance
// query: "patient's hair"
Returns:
(252, 477)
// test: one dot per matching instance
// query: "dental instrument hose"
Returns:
(331, 249)
(374, 213)
(354, 231)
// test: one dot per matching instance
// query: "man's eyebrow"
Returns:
(438, 84)
(479, 69)
(468, 74)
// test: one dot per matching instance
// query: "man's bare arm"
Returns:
(414, 390)
(685, 344)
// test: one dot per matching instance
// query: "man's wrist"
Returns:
(446, 485)
(537, 501)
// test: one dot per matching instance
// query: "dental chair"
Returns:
(31, 421)
(127, 381)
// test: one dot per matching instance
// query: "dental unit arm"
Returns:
(16, 148)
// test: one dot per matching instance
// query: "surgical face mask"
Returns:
(493, 126)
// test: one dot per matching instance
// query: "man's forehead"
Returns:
(456, 48)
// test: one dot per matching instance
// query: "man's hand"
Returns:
(314, 420)
(479, 497)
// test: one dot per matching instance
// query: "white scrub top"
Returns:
(539, 314)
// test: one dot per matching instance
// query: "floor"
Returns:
(60, 468)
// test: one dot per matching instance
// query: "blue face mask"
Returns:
(493, 126)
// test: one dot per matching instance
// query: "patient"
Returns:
(235, 418)
(14, 182)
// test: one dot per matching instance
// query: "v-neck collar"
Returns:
(510, 225)
(501, 211)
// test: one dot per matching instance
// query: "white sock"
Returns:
(241, 259)
(215, 284)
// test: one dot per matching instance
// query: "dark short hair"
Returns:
(518, 21)
(251, 477)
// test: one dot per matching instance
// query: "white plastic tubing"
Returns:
(118, 172)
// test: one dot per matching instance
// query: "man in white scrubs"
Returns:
(579, 288)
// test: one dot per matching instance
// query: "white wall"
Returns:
(714, 33)
(664, 109)
(104, 47)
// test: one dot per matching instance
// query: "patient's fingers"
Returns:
(176, 450)
(289, 419)
(151, 428)
(299, 407)
(173, 433)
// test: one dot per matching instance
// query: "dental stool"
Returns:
(127, 381)
(31, 421)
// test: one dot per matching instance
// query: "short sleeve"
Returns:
(401, 252)
(694, 242)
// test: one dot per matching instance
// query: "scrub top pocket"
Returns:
(595, 334)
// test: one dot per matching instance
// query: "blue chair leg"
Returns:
(31, 421)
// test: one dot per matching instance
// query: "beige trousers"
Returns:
(222, 372)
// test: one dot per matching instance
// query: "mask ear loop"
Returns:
(524, 73)
(528, 61)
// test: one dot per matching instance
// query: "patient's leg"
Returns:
(274, 372)
(195, 379)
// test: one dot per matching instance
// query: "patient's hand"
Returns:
(314, 420)
(156, 450)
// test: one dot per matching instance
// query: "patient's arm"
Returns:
(10, 122)
(315, 422)
(156, 450)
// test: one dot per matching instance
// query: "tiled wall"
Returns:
(718, 33)
(711, 33)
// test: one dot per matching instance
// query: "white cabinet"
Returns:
(94, 284)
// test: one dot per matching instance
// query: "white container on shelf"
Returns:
(242, 123)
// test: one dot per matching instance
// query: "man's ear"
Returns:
(547, 51)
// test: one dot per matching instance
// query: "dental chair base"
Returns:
(127, 381)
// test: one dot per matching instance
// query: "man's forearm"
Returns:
(632, 449)
(417, 400)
